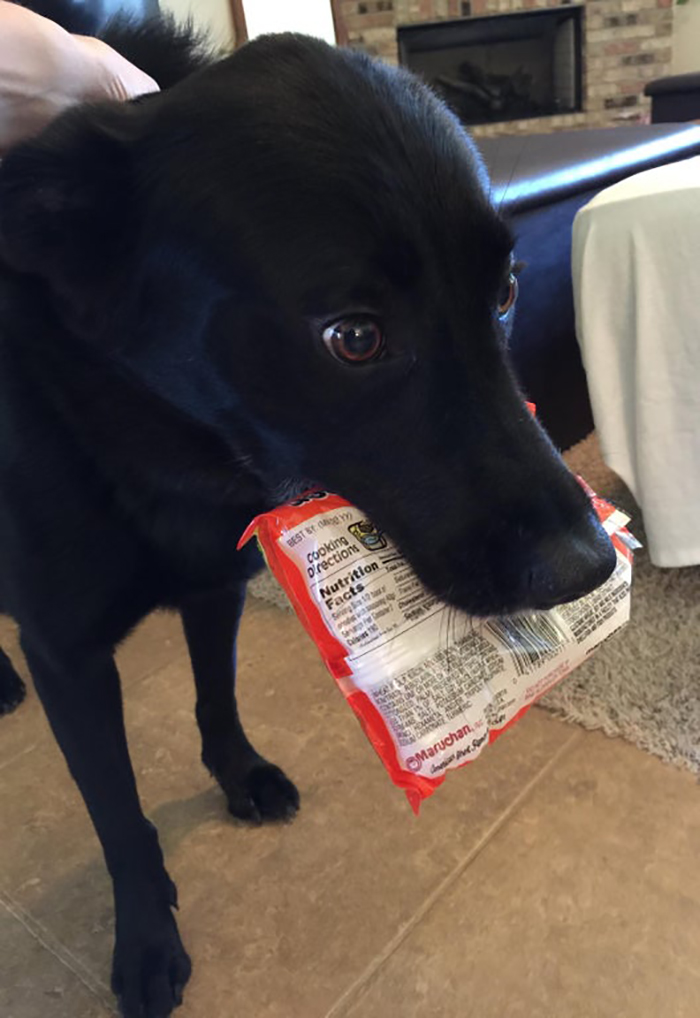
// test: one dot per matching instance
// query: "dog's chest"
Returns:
(191, 545)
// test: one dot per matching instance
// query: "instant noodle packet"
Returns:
(431, 686)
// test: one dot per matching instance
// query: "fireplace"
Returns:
(506, 67)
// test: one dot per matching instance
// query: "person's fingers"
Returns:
(44, 70)
(35, 55)
(113, 76)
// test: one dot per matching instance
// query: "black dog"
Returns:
(285, 268)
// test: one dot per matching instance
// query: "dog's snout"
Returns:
(564, 567)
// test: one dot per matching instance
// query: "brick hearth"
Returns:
(626, 43)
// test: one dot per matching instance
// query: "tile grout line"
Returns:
(61, 953)
(133, 683)
(147, 674)
(348, 997)
(125, 685)
(18, 756)
(34, 928)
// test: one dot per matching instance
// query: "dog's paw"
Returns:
(150, 969)
(264, 794)
(12, 689)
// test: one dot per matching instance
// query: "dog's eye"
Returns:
(354, 340)
(507, 295)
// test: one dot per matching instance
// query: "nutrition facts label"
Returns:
(441, 680)
(366, 590)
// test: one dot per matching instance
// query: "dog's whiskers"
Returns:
(516, 163)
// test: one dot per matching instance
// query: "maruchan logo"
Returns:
(415, 762)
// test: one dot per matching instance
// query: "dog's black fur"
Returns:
(167, 269)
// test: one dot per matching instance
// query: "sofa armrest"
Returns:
(674, 83)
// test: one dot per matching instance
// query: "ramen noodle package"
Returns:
(432, 687)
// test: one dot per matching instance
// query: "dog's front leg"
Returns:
(82, 699)
(255, 789)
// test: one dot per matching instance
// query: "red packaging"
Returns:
(426, 703)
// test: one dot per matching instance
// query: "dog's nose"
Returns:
(565, 567)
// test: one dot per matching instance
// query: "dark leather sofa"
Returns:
(542, 181)
(675, 98)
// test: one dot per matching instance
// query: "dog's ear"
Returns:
(66, 200)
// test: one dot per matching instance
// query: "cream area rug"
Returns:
(643, 684)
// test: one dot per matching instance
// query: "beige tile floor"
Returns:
(558, 876)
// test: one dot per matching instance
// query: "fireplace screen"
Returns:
(507, 67)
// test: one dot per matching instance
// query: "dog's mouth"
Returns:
(510, 573)
(499, 571)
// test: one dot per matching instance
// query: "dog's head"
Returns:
(297, 247)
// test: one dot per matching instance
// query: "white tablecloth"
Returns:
(636, 268)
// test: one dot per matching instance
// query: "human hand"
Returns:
(44, 70)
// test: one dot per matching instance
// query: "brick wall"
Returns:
(626, 43)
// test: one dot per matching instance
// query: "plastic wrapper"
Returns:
(431, 686)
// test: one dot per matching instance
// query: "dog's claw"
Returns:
(264, 795)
